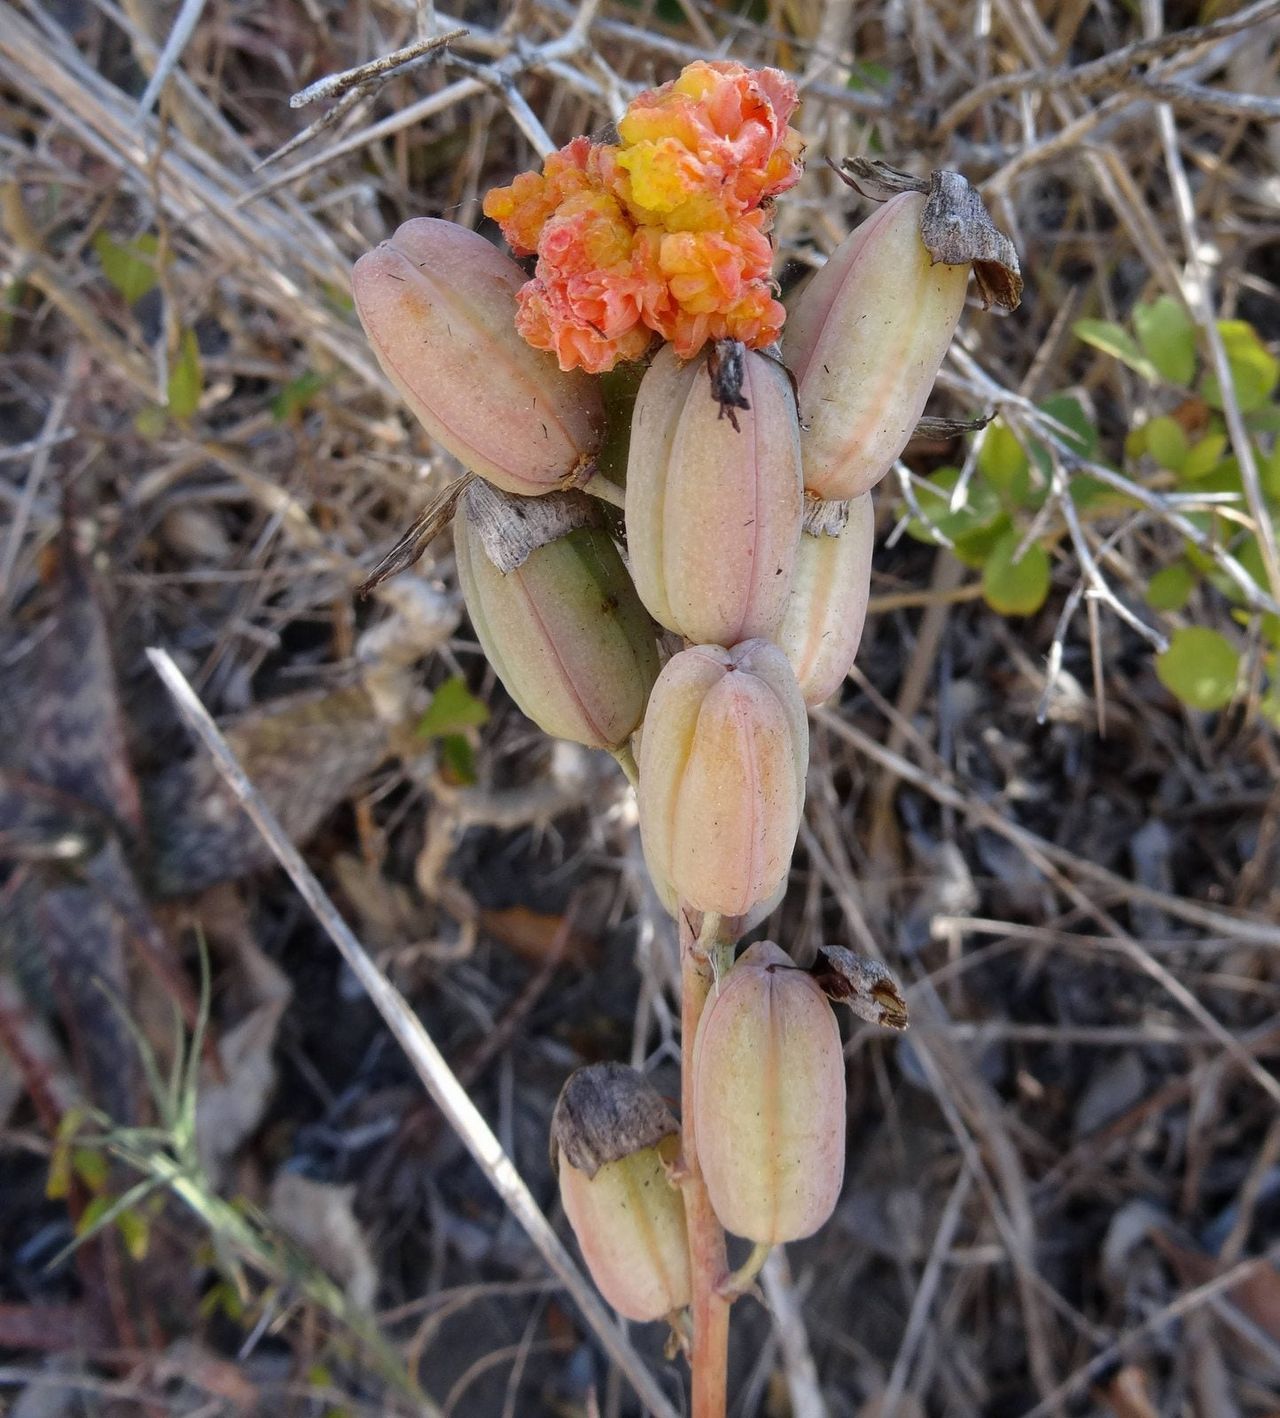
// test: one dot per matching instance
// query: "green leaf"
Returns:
(1170, 588)
(1167, 443)
(1255, 371)
(1016, 587)
(974, 548)
(1269, 472)
(1082, 437)
(91, 1166)
(151, 420)
(135, 1231)
(980, 509)
(868, 75)
(1168, 338)
(1204, 456)
(130, 266)
(459, 759)
(1115, 340)
(1269, 705)
(453, 708)
(1200, 668)
(296, 395)
(185, 381)
(1003, 461)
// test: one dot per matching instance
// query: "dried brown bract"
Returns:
(866, 986)
(956, 227)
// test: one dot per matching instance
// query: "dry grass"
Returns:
(1064, 1184)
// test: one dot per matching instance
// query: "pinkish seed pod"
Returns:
(865, 342)
(714, 502)
(822, 628)
(438, 303)
(722, 767)
(769, 1100)
(556, 613)
(613, 1140)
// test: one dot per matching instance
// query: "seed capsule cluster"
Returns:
(746, 536)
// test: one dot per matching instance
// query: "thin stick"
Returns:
(706, 1238)
(428, 1062)
(183, 28)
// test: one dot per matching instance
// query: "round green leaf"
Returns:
(1003, 461)
(1016, 587)
(1255, 371)
(981, 508)
(1170, 588)
(1200, 668)
(1168, 338)
(1167, 443)
(1204, 456)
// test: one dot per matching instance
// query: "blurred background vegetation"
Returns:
(1047, 795)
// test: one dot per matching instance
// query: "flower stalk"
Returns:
(746, 531)
(708, 1263)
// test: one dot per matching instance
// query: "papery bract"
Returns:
(822, 627)
(865, 340)
(438, 303)
(564, 630)
(722, 768)
(769, 1100)
(713, 511)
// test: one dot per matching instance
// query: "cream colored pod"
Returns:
(714, 502)
(438, 303)
(769, 1100)
(613, 1140)
(556, 613)
(722, 768)
(865, 341)
(822, 628)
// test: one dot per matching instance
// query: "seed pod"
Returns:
(556, 613)
(822, 628)
(438, 303)
(769, 1100)
(722, 768)
(714, 498)
(613, 1140)
(865, 342)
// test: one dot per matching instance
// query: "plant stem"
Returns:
(607, 491)
(626, 760)
(707, 1259)
(744, 1277)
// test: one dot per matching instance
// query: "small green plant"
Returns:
(165, 1158)
(1002, 523)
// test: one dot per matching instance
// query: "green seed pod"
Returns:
(722, 768)
(769, 1100)
(865, 341)
(613, 1141)
(714, 501)
(822, 628)
(438, 303)
(556, 613)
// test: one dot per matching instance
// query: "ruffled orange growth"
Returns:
(664, 232)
